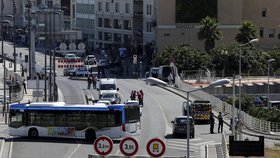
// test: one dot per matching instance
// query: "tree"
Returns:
(209, 32)
(186, 58)
(247, 32)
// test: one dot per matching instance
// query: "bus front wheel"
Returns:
(90, 135)
(33, 133)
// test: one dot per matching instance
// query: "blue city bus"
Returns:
(55, 119)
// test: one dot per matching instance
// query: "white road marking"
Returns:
(2, 147)
(11, 149)
(73, 152)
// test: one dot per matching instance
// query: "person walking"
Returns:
(94, 80)
(221, 122)
(212, 122)
(89, 80)
(140, 98)
(24, 85)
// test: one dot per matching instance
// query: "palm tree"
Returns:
(247, 32)
(209, 32)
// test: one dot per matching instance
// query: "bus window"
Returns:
(16, 119)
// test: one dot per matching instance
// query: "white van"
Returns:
(107, 85)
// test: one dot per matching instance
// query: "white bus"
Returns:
(55, 119)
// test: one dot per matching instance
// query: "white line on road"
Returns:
(2, 147)
(73, 152)
(11, 149)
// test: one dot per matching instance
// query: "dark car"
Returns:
(69, 71)
(180, 126)
(114, 98)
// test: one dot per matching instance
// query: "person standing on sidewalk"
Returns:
(24, 85)
(89, 80)
(221, 122)
(94, 80)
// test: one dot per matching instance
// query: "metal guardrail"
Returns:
(248, 121)
(224, 146)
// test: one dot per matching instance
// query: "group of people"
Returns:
(212, 122)
(135, 95)
(92, 80)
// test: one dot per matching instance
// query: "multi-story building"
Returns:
(115, 23)
(264, 14)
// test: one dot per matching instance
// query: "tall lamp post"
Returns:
(14, 37)
(268, 66)
(240, 78)
(213, 84)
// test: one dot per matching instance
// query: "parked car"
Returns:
(71, 71)
(71, 57)
(107, 102)
(114, 98)
(179, 126)
(90, 60)
(82, 71)
(48, 70)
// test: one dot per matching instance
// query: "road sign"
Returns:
(246, 148)
(155, 147)
(129, 146)
(103, 145)
(134, 59)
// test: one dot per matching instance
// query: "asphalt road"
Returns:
(160, 108)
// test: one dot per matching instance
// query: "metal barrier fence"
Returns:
(224, 146)
(248, 121)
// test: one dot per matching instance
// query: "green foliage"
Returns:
(209, 32)
(247, 32)
(186, 58)
(268, 114)
(190, 11)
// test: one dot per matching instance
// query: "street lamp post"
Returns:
(14, 37)
(213, 84)
(268, 66)
(240, 78)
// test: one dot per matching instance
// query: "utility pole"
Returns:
(14, 37)
(28, 6)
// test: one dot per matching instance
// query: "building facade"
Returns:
(113, 24)
(264, 14)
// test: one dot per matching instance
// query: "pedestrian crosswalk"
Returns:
(195, 144)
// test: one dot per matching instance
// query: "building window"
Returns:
(49, 4)
(261, 32)
(100, 35)
(117, 37)
(107, 23)
(107, 36)
(117, 24)
(127, 24)
(100, 21)
(117, 7)
(271, 33)
(107, 7)
(149, 9)
(149, 26)
(100, 6)
(264, 12)
(127, 8)
(127, 38)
